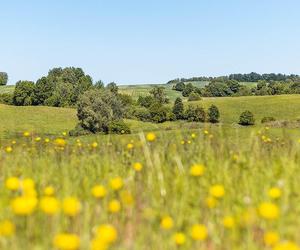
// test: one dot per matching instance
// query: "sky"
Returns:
(149, 41)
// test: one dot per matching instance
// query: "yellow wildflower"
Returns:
(66, 241)
(49, 205)
(12, 183)
(217, 191)
(271, 238)
(166, 223)
(179, 238)
(24, 205)
(137, 166)
(150, 137)
(199, 232)
(116, 183)
(7, 228)
(274, 193)
(197, 170)
(268, 210)
(114, 206)
(71, 206)
(99, 191)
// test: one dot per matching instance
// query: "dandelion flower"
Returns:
(107, 233)
(271, 238)
(286, 245)
(8, 149)
(217, 191)
(71, 206)
(228, 222)
(26, 134)
(197, 170)
(274, 193)
(179, 238)
(114, 206)
(137, 166)
(66, 241)
(166, 223)
(24, 205)
(116, 183)
(49, 205)
(199, 232)
(129, 146)
(12, 183)
(211, 202)
(7, 228)
(150, 137)
(59, 142)
(49, 191)
(99, 191)
(268, 210)
(94, 145)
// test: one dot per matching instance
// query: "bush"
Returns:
(119, 127)
(98, 109)
(6, 98)
(213, 114)
(246, 118)
(180, 86)
(178, 109)
(268, 119)
(79, 131)
(145, 101)
(194, 97)
(141, 114)
(3, 78)
(195, 114)
(158, 113)
(23, 93)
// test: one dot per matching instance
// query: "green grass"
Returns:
(7, 89)
(41, 120)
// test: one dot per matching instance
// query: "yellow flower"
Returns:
(205, 132)
(37, 139)
(94, 145)
(107, 233)
(71, 206)
(114, 206)
(8, 149)
(217, 191)
(268, 211)
(64, 133)
(7, 228)
(47, 140)
(12, 183)
(49, 191)
(99, 191)
(13, 142)
(150, 137)
(211, 202)
(59, 142)
(49, 205)
(179, 238)
(116, 183)
(228, 222)
(28, 184)
(197, 170)
(26, 134)
(286, 245)
(66, 241)
(129, 146)
(274, 193)
(99, 244)
(199, 232)
(271, 238)
(166, 223)
(24, 205)
(193, 135)
(137, 166)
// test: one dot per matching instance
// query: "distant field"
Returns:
(48, 120)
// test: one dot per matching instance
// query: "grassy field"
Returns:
(7, 89)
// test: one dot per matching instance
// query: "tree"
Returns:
(3, 78)
(178, 109)
(112, 87)
(195, 114)
(194, 97)
(180, 86)
(158, 113)
(189, 88)
(98, 109)
(145, 101)
(23, 93)
(42, 91)
(99, 85)
(159, 95)
(247, 118)
(213, 114)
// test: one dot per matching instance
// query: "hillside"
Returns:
(48, 120)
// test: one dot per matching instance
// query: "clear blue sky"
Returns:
(149, 41)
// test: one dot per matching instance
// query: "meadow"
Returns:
(175, 185)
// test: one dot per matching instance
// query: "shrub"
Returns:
(97, 109)
(180, 86)
(178, 109)
(3, 78)
(23, 93)
(194, 97)
(158, 113)
(6, 98)
(247, 118)
(145, 101)
(268, 119)
(195, 114)
(213, 114)
(119, 127)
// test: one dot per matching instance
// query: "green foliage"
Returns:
(119, 127)
(6, 98)
(195, 114)
(213, 114)
(112, 87)
(246, 118)
(159, 95)
(145, 101)
(158, 113)
(189, 88)
(23, 93)
(180, 86)
(194, 97)
(268, 119)
(3, 78)
(178, 109)
(97, 109)
(142, 114)
(79, 131)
